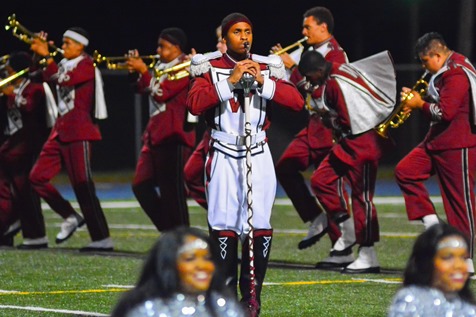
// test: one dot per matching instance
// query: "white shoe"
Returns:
(470, 264)
(32, 244)
(430, 220)
(366, 262)
(317, 229)
(99, 246)
(333, 262)
(68, 227)
(347, 239)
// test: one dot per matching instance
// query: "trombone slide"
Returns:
(11, 78)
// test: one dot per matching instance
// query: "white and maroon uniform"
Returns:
(226, 169)
(358, 103)
(168, 141)
(448, 150)
(211, 95)
(70, 142)
(308, 148)
(26, 131)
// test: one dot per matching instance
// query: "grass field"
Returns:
(60, 281)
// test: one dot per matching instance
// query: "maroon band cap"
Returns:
(231, 20)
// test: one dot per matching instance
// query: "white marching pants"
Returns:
(227, 190)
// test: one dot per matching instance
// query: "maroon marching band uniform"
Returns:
(448, 150)
(194, 170)
(356, 157)
(70, 142)
(356, 107)
(309, 147)
(168, 141)
(26, 131)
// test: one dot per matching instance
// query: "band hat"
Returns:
(231, 20)
(19, 61)
(176, 36)
(77, 37)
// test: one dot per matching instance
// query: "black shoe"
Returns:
(12, 230)
(32, 246)
(331, 266)
(344, 252)
(361, 271)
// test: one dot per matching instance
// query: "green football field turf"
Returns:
(60, 281)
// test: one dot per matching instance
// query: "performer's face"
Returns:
(316, 33)
(239, 34)
(167, 51)
(195, 266)
(316, 77)
(71, 48)
(432, 62)
(451, 270)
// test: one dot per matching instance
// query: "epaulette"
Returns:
(274, 62)
(200, 62)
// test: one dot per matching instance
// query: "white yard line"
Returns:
(64, 311)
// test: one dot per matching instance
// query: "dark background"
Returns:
(362, 28)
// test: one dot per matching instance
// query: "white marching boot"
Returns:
(366, 262)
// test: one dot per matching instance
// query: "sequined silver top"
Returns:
(417, 301)
(181, 305)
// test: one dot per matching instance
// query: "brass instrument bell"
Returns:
(398, 116)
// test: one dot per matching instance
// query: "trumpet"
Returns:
(398, 116)
(175, 72)
(11, 78)
(26, 35)
(292, 46)
(119, 62)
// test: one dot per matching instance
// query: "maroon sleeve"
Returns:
(288, 96)
(454, 91)
(202, 95)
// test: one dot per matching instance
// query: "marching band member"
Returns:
(168, 139)
(26, 131)
(78, 85)
(312, 144)
(449, 148)
(217, 93)
(354, 98)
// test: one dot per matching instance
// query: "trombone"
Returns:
(26, 35)
(292, 46)
(119, 62)
(398, 116)
(11, 78)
